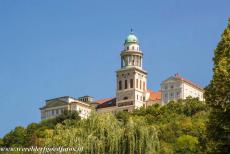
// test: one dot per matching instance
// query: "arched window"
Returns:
(127, 47)
(133, 47)
(120, 85)
(125, 98)
(126, 84)
(131, 83)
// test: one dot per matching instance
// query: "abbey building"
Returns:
(131, 89)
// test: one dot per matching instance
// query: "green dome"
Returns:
(131, 38)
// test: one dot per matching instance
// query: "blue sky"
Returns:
(56, 48)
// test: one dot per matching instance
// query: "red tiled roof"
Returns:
(188, 81)
(107, 102)
(154, 95)
(101, 101)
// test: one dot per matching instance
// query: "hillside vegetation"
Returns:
(178, 127)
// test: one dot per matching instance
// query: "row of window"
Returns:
(166, 87)
(131, 60)
(53, 112)
(141, 98)
(133, 48)
(172, 95)
(139, 84)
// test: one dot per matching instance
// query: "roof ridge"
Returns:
(188, 81)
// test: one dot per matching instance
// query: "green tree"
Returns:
(217, 96)
(15, 138)
(104, 134)
(1, 142)
(186, 144)
(73, 116)
(32, 134)
(122, 116)
(70, 115)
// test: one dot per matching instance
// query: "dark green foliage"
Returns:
(186, 144)
(70, 115)
(15, 138)
(1, 142)
(176, 119)
(66, 115)
(218, 97)
(35, 133)
(122, 116)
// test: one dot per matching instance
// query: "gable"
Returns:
(55, 103)
(169, 80)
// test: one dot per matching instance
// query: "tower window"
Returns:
(136, 83)
(131, 83)
(143, 85)
(137, 97)
(133, 47)
(126, 84)
(140, 84)
(120, 85)
(125, 98)
(127, 47)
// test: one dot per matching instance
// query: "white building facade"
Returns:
(57, 106)
(177, 87)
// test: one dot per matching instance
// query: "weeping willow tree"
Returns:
(102, 134)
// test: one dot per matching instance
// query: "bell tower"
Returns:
(131, 77)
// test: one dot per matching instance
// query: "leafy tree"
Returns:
(122, 116)
(193, 106)
(217, 96)
(66, 115)
(186, 144)
(32, 134)
(104, 134)
(71, 115)
(1, 142)
(15, 138)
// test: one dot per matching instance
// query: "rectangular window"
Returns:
(166, 87)
(131, 83)
(120, 85)
(126, 84)
(136, 83)
(143, 85)
(140, 84)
